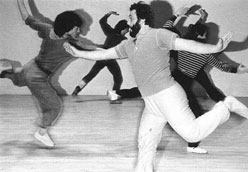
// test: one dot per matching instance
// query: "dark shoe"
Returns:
(76, 91)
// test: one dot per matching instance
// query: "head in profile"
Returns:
(138, 12)
(121, 27)
(87, 21)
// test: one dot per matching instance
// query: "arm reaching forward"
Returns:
(200, 48)
(99, 54)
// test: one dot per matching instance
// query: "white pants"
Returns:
(171, 105)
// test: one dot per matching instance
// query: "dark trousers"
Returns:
(112, 66)
(129, 93)
(186, 82)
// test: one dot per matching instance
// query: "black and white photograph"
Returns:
(124, 86)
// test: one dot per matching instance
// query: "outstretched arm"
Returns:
(179, 13)
(99, 54)
(237, 46)
(203, 17)
(36, 13)
(226, 67)
(200, 48)
(22, 9)
(34, 23)
(107, 29)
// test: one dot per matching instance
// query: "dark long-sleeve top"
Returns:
(52, 54)
(191, 63)
(113, 38)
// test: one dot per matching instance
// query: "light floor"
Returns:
(95, 136)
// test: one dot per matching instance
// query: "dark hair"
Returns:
(143, 11)
(195, 30)
(65, 21)
(121, 25)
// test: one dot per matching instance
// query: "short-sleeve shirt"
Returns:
(149, 57)
(52, 53)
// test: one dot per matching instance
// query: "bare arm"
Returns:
(23, 10)
(200, 48)
(99, 54)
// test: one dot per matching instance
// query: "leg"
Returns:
(115, 70)
(181, 118)
(48, 102)
(7, 70)
(116, 95)
(97, 67)
(187, 82)
(235, 105)
(213, 92)
(150, 133)
(129, 93)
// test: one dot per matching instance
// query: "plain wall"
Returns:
(20, 43)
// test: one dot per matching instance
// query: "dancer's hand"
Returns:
(224, 41)
(203, 14)
(242, 69)
(113, 12)
(70, 49)
(181, 11)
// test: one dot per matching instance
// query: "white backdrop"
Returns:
(20, 43)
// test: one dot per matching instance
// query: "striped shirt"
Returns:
(190, 63)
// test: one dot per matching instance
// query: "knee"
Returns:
(57, 107)
(192, 138)
(191, 135)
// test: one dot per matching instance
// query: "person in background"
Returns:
(113, 37)
(190, 68)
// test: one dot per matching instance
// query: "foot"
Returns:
(45, 139)
(197, 150)
(76, 91)
(234, 105)
(112, 95)
(5, 68)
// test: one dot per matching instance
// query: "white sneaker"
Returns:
(45, 139)
(112, 95)
(236, 106)
(197, 150)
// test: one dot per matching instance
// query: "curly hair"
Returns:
(143, 11)
(65, 21)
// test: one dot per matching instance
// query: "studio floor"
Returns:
(93, 135)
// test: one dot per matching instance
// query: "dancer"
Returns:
(165, 100)
(189, 67)
(36, 74)
(114, 36)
